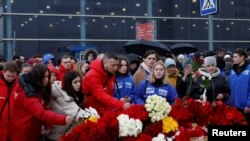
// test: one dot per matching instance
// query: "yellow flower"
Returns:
(169, 124)
(92, 119)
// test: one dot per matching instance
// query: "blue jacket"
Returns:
(126, 86)
(165, 90)
(240, 88)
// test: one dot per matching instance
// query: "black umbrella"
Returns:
(139, 47)
(183, 48)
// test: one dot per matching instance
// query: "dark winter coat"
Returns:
(217, 85)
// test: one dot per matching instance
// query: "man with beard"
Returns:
(99, 83)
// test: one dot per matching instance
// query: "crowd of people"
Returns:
(40, 100)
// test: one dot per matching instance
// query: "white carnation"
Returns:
(160, 137)
(129, 126)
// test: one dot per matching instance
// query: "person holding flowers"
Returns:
(31, 111)
(98, 85)
(66, 99)
(157, 84)
(210, 85)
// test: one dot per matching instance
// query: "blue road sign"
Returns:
(208, 7)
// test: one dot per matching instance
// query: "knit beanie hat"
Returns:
(169, 62)
(227, 56)
(180, 57)
(47, 57)
(210, 60)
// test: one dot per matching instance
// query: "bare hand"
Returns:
(203, 97)
(193, 75)
(123, 99)
(126, 105)
(69, 119)
(219, 96)
(128, 99)
(247, 110)
(45, 131)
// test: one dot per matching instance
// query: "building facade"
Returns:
(29, 27)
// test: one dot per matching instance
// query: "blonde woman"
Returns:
(157, 84)
(82, 68)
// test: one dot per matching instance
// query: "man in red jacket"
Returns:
(98, 85)
(64, 67)
(8, 81)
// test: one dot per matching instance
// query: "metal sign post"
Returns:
(209, 7)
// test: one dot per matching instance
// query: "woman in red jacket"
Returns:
(30, 110)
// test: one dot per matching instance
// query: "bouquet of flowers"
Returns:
(156, 120)
(205, 83)
(196, 64)
(157, 107)
(88, 114)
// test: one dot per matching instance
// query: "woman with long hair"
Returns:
(31, 106)
(66, 99)
(82, 67)
(124, 83)
(157, 84)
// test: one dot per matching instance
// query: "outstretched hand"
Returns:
(126, 105)
(69, 119)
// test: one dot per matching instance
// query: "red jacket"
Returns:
(29, 114)
(62, 71)
(4, 117)
(98, 88)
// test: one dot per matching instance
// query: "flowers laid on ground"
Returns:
(169, 124)
(129, 126)
(157, 120)
(160, 137)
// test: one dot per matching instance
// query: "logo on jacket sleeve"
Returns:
(245, 72)
(119, 85)
(150, 90)
(15, 95)
(128, 85)
(162, 92)
(2, 97)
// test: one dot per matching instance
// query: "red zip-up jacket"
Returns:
(98, 88)
(5, 115)
(29, 114)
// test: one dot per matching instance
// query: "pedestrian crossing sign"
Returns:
(208, 7)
